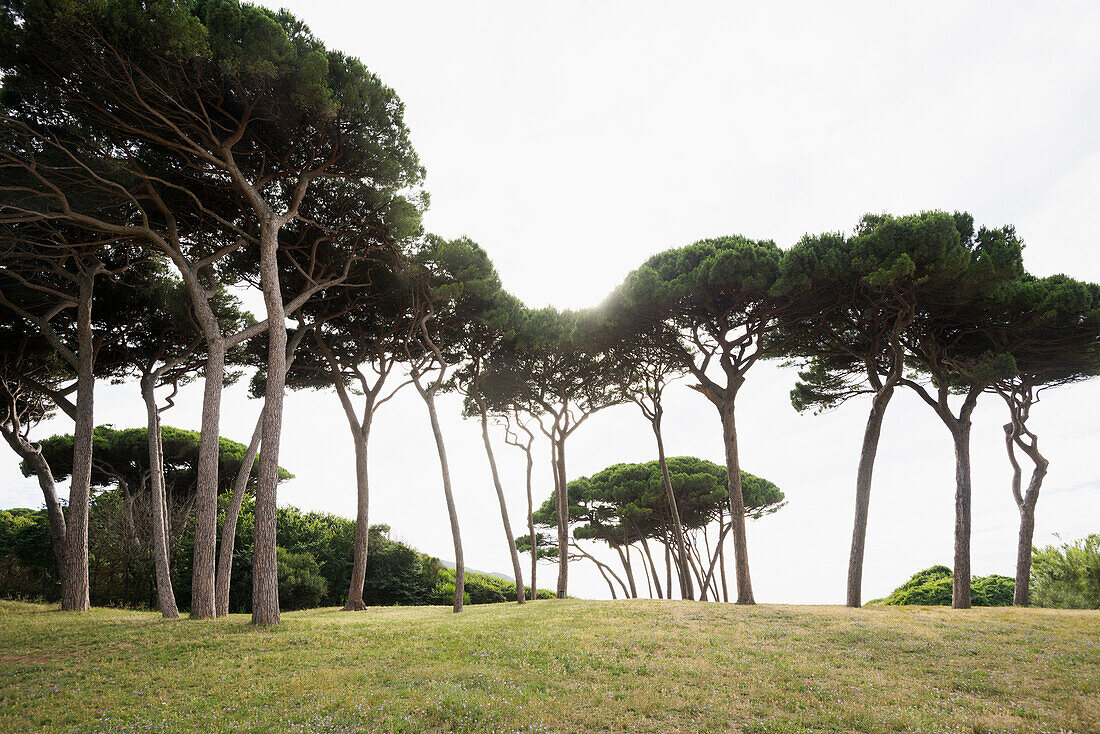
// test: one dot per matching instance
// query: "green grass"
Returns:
(555, 666)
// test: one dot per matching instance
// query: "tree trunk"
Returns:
(737, 505)
(722, 560)
(678, 527)
(31, 454)
(656, 578)
(628, 569)
(362, 522)
(531, 525)
(668, 572)
(960, 590)
(265, 570)
(232, 515)
(456, 534)
(867, 455)
(710, 571)
(74, 577)
(562, 492)
(166, 596)
(206, 486)
(1025, 502)
(648, 579)
(516, 568)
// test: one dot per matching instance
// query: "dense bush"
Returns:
(932, 587)
(1068, 576)
(315, 552)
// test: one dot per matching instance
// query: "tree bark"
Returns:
(562, 495)
(509, 537)
(678, 527)
(867, 455)
(1025, 502)
(628, 570)
(206, 483)
(32, 454)
(653, 566)
(362, 523)
(265, 571)
(531, 525)
(960, 589)
(456, 534)
(74, 577)
(166, 596)
(229, 522)
(737, 505)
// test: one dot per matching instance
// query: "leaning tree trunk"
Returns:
(206, 485)
(531, 526)
(960, 590)
(32, 455)
(737, 505)
(265, 569)
(166, 596)
(686, 591)
(74, 576)
(229, 522)
(867, 455)
(1025, 502)
(516, 569)
(456, 534)
(653, 566)
(562, 496)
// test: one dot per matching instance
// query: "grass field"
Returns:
(555, 666)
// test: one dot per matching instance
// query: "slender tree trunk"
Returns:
(656, 578)
(460, 564)
(206, 486)
(722, 559)
(265, 570)
(668, 572)
(561, 488)
(648, 579)
(362, 522)
(32, 454)
(512, 552)
(605, 569)
(710, 571)
(166, 596)
(695, 570)
(531, 525)
(628, 570)
(737, 505)
(74, 577)
(960, 591)
(678, 527)
(867, 455)
(232, 515)
(608, 580)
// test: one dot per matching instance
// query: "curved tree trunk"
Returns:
(737, 505)
(166, 596)
(265, 570)
(512, 552)
(628, 570)
(867, 455)
(456, 535)
(686, 590)
(206, 484)
(531, 525)
(562, 496)
(229, 522)
(1025, 502)
(710, 571)
(74, 577)
(31, 454)
(653, 566)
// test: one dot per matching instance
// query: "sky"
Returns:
(572, 140)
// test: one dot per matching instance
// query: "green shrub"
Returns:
(932, 587)
(301, 585)
(1067, 577)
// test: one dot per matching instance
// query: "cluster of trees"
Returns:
(314, 555)
(159, 155)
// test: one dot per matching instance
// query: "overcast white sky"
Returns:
(574, 139)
